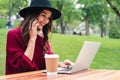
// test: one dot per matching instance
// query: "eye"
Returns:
(42, 14)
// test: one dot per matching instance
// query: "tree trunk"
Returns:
(105, 26)
(10, 10)
(87, 25)
(60, 6)
(102, 30)
(61, 25)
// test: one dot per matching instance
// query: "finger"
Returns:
(63, 65)
(33, 24)
(35, 21)
(68, 62)
(30, 25)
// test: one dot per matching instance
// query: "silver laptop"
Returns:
(84, 59)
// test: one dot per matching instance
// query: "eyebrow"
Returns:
(45, 13)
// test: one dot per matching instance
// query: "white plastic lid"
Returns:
(51, 56)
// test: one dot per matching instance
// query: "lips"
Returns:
(40, 26)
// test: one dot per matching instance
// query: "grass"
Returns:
(3, 23)
(3, 33)
(68, 47)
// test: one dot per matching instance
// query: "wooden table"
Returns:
(92, 74)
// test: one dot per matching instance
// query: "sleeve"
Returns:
(15, 54)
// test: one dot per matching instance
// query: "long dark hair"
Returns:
(24, 26)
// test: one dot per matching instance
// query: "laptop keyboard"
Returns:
(68, 68)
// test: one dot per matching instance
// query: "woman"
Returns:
(27, 44)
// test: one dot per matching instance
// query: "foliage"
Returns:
(16, 5)
(94, 12)
(99, 12)
(3, 7)
(11, 7)
(113, 6)
(3, 23)
(67, 8)
(114, 32)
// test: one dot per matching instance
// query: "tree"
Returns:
(15, 6)
(11, 7)
(3, 7)
(67, 8)
(93, 12)
(115, 8)
(114, 32)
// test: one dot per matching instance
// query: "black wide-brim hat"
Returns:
(38, 6)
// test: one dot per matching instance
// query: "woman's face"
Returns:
(44, 18)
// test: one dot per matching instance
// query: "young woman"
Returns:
(27, 44)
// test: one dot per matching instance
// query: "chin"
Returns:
(39, 28)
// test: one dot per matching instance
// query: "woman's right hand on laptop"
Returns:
(65, 64)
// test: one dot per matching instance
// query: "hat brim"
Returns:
(24, 12)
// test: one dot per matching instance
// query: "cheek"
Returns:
(39, 18)
(47, 21)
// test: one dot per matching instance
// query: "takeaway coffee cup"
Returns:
(51, 61)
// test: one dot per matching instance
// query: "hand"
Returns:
(68, 62)
(65, 63)
(33, 29)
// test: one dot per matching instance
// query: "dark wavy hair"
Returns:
(24, 26)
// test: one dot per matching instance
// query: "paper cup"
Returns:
(51, 61)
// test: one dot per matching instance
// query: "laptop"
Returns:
(84, 59)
